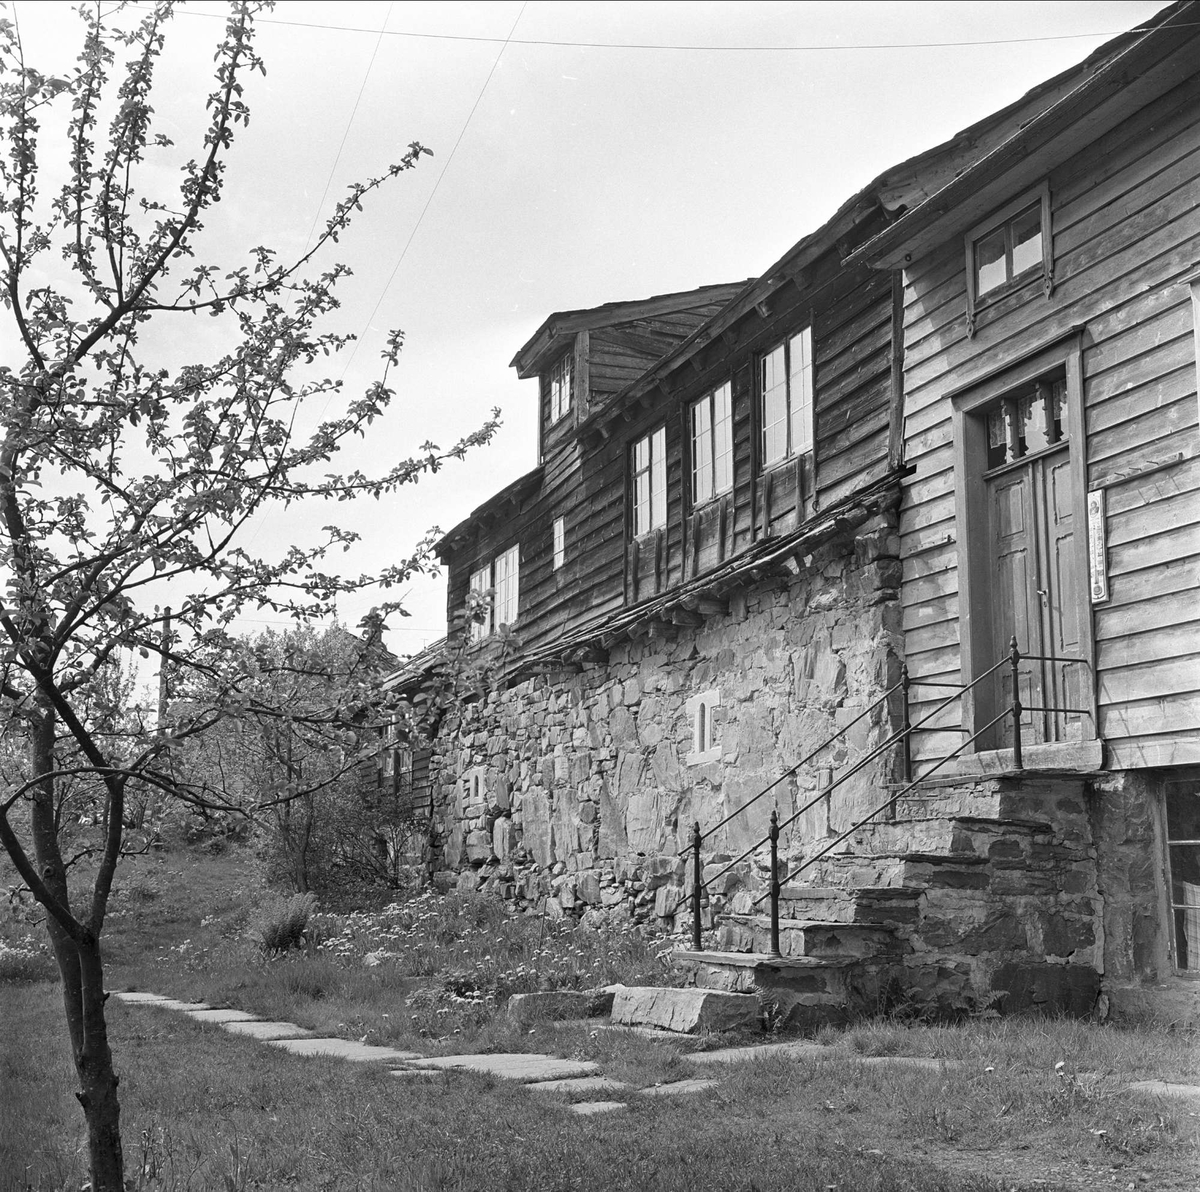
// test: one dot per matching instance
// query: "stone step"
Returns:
(685, 1010)
(873, 904)
(918, 871)
(804, 937)
(957, 836)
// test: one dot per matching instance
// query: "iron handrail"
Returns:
(700, 883)
(802, 762)
(904, 734)
(862, 823)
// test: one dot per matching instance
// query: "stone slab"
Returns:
(525, 1066)
(1165, 1088)
(527, 1009)
(591, 1108)
(140, 998)
(737, 1055)
(580, 1084)
(221, 1016)
(686, 1011)
(905, 1061)
(170, 1003)
(344, 1049)
(678, 1088)
(402, 1072)
(267, 1030)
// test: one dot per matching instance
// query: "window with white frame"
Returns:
(480, 605)
(705, 747)
(560, 542)
(506, 582)
(500, 579)
(560, 388)
(712, 445)
(785, 376)
(1011, 248)
(650, 482)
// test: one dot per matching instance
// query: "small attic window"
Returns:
(560, 388)
(1009, 250)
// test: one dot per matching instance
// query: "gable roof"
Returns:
(557, 333)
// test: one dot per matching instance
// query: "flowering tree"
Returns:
(127, 480)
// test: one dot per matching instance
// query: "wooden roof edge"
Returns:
(1112, 66)
(563, 323)
(492, 507)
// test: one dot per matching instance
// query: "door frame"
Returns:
(974, 564)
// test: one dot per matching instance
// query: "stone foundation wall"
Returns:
(581, 790)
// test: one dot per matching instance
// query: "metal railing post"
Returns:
(696, 885)
(906, 723)
(1015, 654)
(774, 834)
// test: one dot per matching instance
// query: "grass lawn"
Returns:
(204, 1109)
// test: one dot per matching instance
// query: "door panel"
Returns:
(1034, 597)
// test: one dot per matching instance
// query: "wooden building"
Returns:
(783, 536)
(1050, 259)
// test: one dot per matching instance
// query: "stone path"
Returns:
(538, 1072)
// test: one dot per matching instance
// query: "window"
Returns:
(1027, 421)
(786, 393)
(560, 543)
(507, 566)
(650, 482)
(1008, 250)
(712, 445)
(705, 747)
(500, 579)
(1183, 850)
(560, 388)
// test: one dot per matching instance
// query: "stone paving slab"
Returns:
(170, 1003)
(267, 1030)
(736, 1055)
(140, 997)
(402, 1072)
(221, 1016)
(1165, 1088)
(590, 1108)
(520, 1065)
(906, 1061)
(678, 1087)
(580, 1084)
(344, 1049)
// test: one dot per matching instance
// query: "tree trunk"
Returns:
(82, 972)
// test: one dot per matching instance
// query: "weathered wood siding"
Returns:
(1126, 238)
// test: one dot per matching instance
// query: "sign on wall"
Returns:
(1097, 549)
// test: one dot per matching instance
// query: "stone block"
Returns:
(528, 1009)
(479, 845)
(588, 887)
(685, 1011)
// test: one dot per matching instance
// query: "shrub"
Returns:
(283, 925)
(22, 961)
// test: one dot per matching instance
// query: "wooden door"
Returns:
(1035, 595)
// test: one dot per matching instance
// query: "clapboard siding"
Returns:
(1126, 236)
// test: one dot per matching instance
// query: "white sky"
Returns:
(582, 175)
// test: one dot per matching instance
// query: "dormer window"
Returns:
(1009, 250)
(560, 388)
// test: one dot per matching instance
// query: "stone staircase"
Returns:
(979, 892)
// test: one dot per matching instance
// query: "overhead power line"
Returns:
(677, 48)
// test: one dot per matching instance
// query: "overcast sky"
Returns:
(583, 153)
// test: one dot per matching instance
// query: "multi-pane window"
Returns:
(1008, 251)
(501, 578)
(650, 482)
(481, 581)
(712, 445)
(560, 388)
(507, 566)
(785, 378)
(560, 543)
